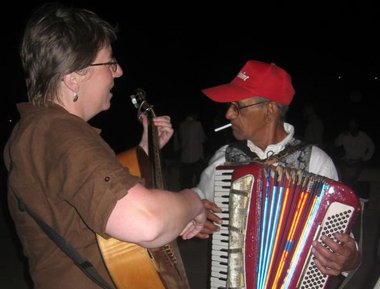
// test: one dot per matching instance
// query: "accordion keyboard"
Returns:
(219, 255)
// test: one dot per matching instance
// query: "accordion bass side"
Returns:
(271, 215)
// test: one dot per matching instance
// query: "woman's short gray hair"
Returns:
(59, 40)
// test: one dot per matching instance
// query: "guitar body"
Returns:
(132, 266)
(129, 265)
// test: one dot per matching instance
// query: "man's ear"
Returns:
(271, 107)
(271, 111)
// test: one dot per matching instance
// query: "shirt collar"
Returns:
(272, 149)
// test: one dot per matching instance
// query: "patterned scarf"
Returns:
(296, 154)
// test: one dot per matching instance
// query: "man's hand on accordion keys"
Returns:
(333, 258)
(212, 222)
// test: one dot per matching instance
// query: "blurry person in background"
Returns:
(191, 141)
(314, 130)
(357, 149)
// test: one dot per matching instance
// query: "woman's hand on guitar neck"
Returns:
(164, 129)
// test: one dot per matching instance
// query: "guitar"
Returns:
(132, 266)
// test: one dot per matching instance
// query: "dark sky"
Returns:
(174, 51)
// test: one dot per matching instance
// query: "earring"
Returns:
(75, 97)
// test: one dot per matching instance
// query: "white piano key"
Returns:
(219, 270)
(220, 258)
(217, 283)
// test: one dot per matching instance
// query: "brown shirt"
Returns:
(65, 172)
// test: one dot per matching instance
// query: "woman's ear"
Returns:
(71, 81)
(71, 85)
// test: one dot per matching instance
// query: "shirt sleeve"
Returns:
(321, 164)
(87, 173)
(205, 187)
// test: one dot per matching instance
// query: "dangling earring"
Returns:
(75, 97)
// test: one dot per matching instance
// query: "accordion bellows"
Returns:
(271, 215)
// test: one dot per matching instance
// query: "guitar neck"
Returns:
(143, 106)
(155, 156)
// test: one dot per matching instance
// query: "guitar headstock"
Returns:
(139, 101)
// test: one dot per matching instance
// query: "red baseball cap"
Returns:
(256, 78)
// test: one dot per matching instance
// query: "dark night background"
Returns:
(172, 52)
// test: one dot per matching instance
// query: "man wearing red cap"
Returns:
(258, 99)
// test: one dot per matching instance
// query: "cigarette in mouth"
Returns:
(222, 127)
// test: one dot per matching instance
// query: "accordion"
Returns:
(271, 215)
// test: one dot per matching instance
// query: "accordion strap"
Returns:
(78, 260)
(239, 152)
(290, 149)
